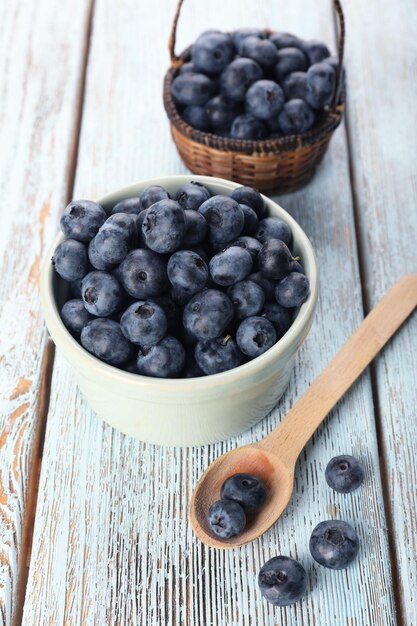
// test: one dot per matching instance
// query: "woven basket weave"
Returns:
(283, 164)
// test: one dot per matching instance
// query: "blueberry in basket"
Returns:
(179, 285)
(254, 85)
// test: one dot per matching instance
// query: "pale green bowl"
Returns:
(183, 412)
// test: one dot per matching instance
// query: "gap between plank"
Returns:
(48, 359)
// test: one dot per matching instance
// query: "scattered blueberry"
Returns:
(246, 126)
(163, 228)
(212, 52)
(224, 217)
(192, 89)
(143, 274)
(255, 335)
(226, 518)
(192, 195)
(152, 194)
(334, 544)
(238, 76)
(246, 489)
(217, 355)
(344, 473)
(82, 219)
(296, 117)
(282, 580)
(187, 271)
(75, 316)
(293, 290)
(321, 83)
(230, 266)
(129, 205)
(289, 60)
(105, 340)
(262, 51)
(144, 323)
(70, 260)
(264, 99)
(207, 314)
(273, 228)
(164, 360)
(102, 293)
(274, 259)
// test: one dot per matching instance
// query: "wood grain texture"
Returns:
(112, 542)
(41, 60)
(383, 141)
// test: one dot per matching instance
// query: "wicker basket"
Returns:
(282, 164)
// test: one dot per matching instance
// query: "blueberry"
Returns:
(70, 260)
(321, 83)
(139, 222)
(278, 315)
(116, 238)
(274, 259)
(248, 298)
(264, 99)
(246, 489)
(247, 126)
(250, 244)
(82, 219)
(315, 51)
(102, 293)
(75, 288)
(143, 274)
(282, 580)
(187, 271)
(196, 116)
(344, 473)
(296, 117)
(96, 259)
(188, 67)
(255, 335)
(238, 76)
(105, 340)
(285, 40)
(131, 206)
(273, 228)
(212, 52)
(144, 323)
(334, 544)
(251, 220)
(200, 250)
(295, 86)
(207, 314)
(164, 360)
(289, 60)
(221, 113)
(192, 89)
(195, 228)
(163, 228)
(226, 518)
(224, 217)
(268, 286)
(217, 355)
(171, 310)
(192, 195)
(296, 267)
(75, 316)
(262, 51)
(230, 266)
(293, 290)
(179, 296)
(192, 370)
(152, 194)
(240, 35)
(251, 197)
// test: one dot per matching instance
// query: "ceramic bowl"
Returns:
(193, 411)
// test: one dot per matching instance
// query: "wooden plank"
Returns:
(41, 64)
(112, 542)
(382, 129)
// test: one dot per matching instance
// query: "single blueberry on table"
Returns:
(295, 86)
(315, 51)
(75, 316)
(102, 293)
(289, 60)
(217, 355)
(278, 315)
(143, 274)
(296, 117)
(82, 219)
(246, 126)
(334, 544)
(274, 259)
(251, 197)
(131, 206)
(293, 290)
(96, 259)
(286, 40)
(268, 286)
(344, 473)
(238, 76)
(282, 581)
(224, 217)
(192, 89)
(251, 220)
(104, 339)
(166, 359)
(152, 194)
(226, 518)
(70, 260)
(192, 195)
(241, 33)
(250, 244)
(273, 228)
(207, 314)
(221, 113)
(262, 51)
(116, 237)
(264, 99)
(163, 228)
(212, 52)
(195, 228)
(187, 271)
(144, 323)
(248, 298)
(320, 83)
(230, 266)
(255, 335)
(246, 489)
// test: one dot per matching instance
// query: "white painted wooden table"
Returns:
(93, 525)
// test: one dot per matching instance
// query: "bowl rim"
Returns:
(61, 335)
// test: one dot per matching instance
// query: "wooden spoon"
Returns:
(273, 458)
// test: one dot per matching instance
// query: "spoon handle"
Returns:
(291, 435)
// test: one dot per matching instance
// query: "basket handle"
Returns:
(177, 61)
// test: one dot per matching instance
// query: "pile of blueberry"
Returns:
(251, 85)
(333, 544)
(181, 287)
